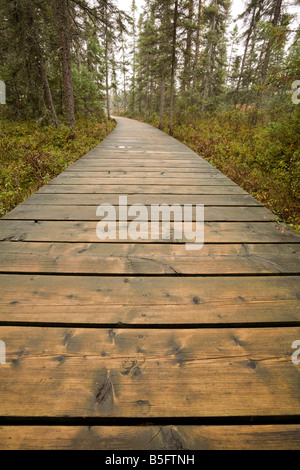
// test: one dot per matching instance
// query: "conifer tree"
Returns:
(215, 53)
(173, 64)
(62, 16)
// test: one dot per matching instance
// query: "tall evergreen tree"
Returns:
(189, 27)
(63, 18)
(215, 53)
(173, 64)
(199, 30)
(133, 55)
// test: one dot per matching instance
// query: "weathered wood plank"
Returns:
(142, 163)
(135, 157)
(139, 438)
(146, 199)
(95, 258)
(125, 180)
(141, 167)
(154, 373)
(83, 172)
(88, 213)
(215, 232)
(143, 158)
(140, 188)
(144, 149)
(149, 300)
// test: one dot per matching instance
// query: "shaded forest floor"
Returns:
(30, 155)
(260, 155)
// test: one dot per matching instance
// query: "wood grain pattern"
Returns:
(139, 188)
(280, 437)
(215, 232)
(88, 213)
(126, 180)
(139, 259)
(83, 172)
(150, 300)
(154, 373)
(150, 165)
(145, 199)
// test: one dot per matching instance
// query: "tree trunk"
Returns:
(124, 77)
(208, 79)
(188, 50)
(62, 17)
(275, 21)
(250, 31)
(172, 89)
(162, 100)
(133, 10)
(106, 63)
(196, 59)
(46, 87)
(41, 65)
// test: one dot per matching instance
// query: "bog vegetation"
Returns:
(225, 82)
(31, 155)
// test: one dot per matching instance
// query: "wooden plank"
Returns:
(139, 188)
(215, 232)
(145, 301)
(140, 172)
(140, 438)
(146, 199)
(97, 258)
(144, 148)
(145, 166)
(142, 156)
(142, 163)
(57, 372)
(126, 180)
(105, 154)
(88, 213)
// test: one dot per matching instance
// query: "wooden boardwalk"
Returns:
(145, 345)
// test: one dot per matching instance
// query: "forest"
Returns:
(226, 84)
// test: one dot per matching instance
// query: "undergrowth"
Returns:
(30, 155)
(259, 152)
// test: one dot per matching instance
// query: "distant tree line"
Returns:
(65, 57)
(189, 60)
